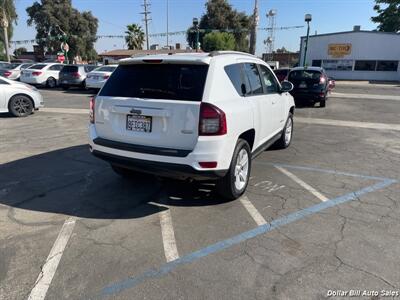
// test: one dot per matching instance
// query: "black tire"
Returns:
(65, 87)
(283, 143)
(226, 186)
(20, 106)
(322, 103)
(51, 82)
(123, 172)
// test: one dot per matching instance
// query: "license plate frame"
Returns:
(303, 85)
(132, 126)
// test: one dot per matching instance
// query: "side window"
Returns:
(235, 75)
(254, 78)
(56, 67)
(270, 84)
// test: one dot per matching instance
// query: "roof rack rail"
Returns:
(217, 53)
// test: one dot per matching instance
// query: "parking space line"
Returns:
(303, 184)
(167, 233)
(252, 210)
(132, 281)
(49, 268)
(352, 124)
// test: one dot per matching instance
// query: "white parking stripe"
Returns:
(74, 111)
(303, 184)
(368, 125)
(252, 210)
(49, 268)
(365, 96)
(168, 236)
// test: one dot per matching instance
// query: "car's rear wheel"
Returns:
(235, 182)
(322, 103)
(51, 82)
(287, 134)
(20, 106)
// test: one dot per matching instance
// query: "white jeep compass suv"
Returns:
(191, 116)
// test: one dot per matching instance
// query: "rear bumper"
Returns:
(162, 169)
(166, 162)
(70, 82)
(94, 84)
(308, 95)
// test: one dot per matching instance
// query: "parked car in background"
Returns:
(282, 73)
(4, 64)
(13, 70)
(192, 116)
(74, 76)
(310, 85)
(43, 74)
(18, 98)
(98, 77)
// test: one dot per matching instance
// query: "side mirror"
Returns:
(286, 86)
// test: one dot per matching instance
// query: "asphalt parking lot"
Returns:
(320, 216)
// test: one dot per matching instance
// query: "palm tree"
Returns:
(135, 37)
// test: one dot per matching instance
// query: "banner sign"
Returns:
(339, 50)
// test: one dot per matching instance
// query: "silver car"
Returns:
(13, 71)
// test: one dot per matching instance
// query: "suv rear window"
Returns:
(70, 69)
(305, 75)
(37, 67)
(161, 81)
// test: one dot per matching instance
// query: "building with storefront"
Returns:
(355, 55)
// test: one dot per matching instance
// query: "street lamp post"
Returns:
(308, 19)
(196, 26)
(4, 24)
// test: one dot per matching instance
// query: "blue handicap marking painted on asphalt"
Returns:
(133, 281)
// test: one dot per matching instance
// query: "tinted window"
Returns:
(305, 75)
(365, 65)
(3, 82)
(161, 81)
(37, 67)
(281, 72)
(270, 84)
(386, 65)
(24, 66)
(235, 75)
(13, 66)
(254, 78)
(89, 68)
(56, 67)
(70, 69)
(106, 69)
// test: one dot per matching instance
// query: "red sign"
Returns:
(61, 58)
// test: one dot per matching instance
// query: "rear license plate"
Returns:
(302, 85)
(138, 123)
(64, 81)
(95, 77)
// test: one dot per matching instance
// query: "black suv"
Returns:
(74, 75)
(310, 85)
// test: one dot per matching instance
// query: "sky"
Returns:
(114, 15)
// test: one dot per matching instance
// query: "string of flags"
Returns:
(163, 34)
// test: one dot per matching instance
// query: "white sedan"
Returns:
(45, 74)
(18, 98)
(98, 77)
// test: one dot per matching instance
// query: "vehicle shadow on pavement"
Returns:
(72, 182)
(6, 115)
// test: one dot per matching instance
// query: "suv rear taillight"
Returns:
(36, 73)
(76, 75)
(212, 120)
(106, 76)
(92, 104)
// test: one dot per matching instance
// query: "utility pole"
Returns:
(253, 32)
(307, 19)
(146, 20)
(167, 24)
(4, 24)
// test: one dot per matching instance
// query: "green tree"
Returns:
(11, 15)
(221, 16)
(218, 41)
(19, 51)
(135, 37)
(53, 18)
(388, 16)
